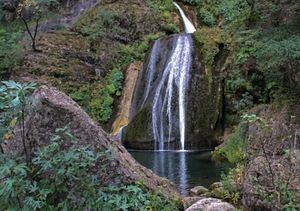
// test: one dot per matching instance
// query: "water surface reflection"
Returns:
(186, 168)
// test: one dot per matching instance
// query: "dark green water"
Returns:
(186, 169)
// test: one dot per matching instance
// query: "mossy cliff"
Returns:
(87, 57)
(204, 103)
(261, 93)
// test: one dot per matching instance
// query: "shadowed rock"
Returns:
(56, 110)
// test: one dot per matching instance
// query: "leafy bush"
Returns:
(14, 105)
(235, 13)
(206, 17)
(161, 5)
(10, 50)
(230, 182)
(246, 102)
(208, 39)
(63, 178)
(136, 51)
(164, 8)
(278, 52)
(172, 28)
(234, 149)
(99, 24)
(113, 87)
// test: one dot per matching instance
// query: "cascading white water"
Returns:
(151, 69)
(175, 75)
(189, 27)
(162, 87)
(119, 135)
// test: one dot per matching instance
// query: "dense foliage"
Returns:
(264, 53)
(62, 175)
(63, 179)
(104, 23)
(235, 148)
(14, 104)
(10, 49)
(261, 42)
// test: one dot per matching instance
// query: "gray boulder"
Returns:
(54, 110)
(210, 204)
(198, 190)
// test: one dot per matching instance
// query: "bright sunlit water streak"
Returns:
(188, 26)
(176, 76)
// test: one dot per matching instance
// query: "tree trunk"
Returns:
(32, 36)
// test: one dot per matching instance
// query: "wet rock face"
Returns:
(138, 134)
(127, 92)
(203, 105)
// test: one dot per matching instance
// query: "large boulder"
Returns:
(210, 204)
(53, 110)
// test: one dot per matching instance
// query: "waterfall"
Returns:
(174, 79)
(151, 69)
(120, 133)
(175, 75)
(188, 26)
(162, 88)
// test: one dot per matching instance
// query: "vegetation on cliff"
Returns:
(260, 41)
(63, 174)
(89, 69)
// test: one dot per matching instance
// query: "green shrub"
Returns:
(206, 17)
(207, 40)
(113, 87)
(161, 5)
(246, 102)
(61, 178)
(276, 52)
(163, 9)
(14, 105)
(230, 181)
(235, 13)
(81, 95)
(10, 49)
(172, 28)
(234, 149)
(136, 51)
(99, 24)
